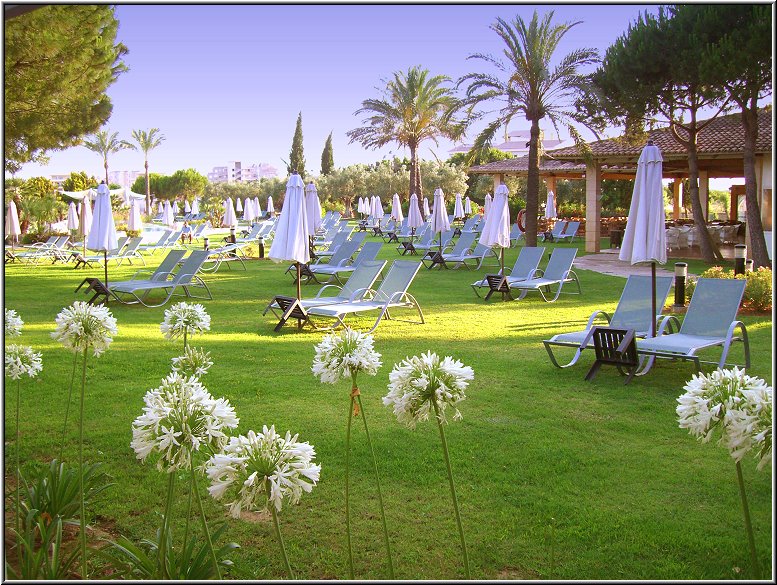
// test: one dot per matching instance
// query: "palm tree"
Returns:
(414, 107)
(104, 145)
(531, 87)
(147, 140)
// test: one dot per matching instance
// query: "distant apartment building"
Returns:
(124, 178)
(235, 172)
(517, 143)
(59, 179)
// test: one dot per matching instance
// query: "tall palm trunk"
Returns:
(105, 164)
(755, 227)
(148, 191)
(533, 185)
(415, 171)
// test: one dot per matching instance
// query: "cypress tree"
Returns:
(297, 156)
(327, 157)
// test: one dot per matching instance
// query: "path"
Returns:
(607, 262)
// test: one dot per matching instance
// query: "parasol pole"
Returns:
(299, 291)
(653, 297)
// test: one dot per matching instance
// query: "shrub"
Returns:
(758, 290)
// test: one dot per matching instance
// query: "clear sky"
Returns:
(225, 82)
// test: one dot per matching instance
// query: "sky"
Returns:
(226, 82)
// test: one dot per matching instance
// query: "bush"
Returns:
(758, 290)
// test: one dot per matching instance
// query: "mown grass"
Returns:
(630, 495)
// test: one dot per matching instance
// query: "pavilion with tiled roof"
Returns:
(720, 146)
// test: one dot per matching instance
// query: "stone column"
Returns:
(704, 193)
(677, 191)
(593, 207)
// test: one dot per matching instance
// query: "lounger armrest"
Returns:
(595, 315)
(318, 294)
(361, 293)
(344, 262)
(670, 321)
(536, 273)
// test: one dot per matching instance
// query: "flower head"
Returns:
(740, 406)
(344, 354)
(194, 362)
(82, 325)
(185, 319)
(418, 382)
(20, 361)
(264, 468)
(179, 418)
(13, 323)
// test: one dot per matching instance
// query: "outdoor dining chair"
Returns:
(633, 311)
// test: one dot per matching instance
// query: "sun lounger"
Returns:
(557, 273)
(633, 311)
(391, 294)
(115, 254)
(461, 248)
(341, 257)
(569, 232)
(339, 238)
(227, 254)
(710, 321)
(159, 245)
(138, 291)
(526, 266)
(555, 233)
(361, 281)
(368, 252)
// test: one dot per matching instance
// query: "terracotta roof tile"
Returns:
(724, 135)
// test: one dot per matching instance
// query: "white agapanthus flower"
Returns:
(82, 325)
(345, 354)
(265, 468)
(740, 406)
(20, 361)
(194, 362)
(13, 323)
(417, 382)
(179, 418)
(185, 319)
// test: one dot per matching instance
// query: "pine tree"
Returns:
(327, 157)
(297, 156)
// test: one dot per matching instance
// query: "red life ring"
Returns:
(520, 220)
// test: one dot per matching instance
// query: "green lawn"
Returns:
(630, 494)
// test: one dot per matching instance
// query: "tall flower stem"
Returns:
(18, 469)
(188, 512)
(184, 341)
(453, 488)
(748, 524)
(162, 548)
(205, 525)
(280, 540)
(82, 518)
(347, 503)
(69, 399)
(377, 482)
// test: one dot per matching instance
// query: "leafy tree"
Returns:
(187, 183)
(106, 144)
(739, 59)
(147, 141)
(59, 60)
(297, 156)
(414, 107)
(327, 157)
(653, 69)
(531, 87)
(39, 202)
(78, 182)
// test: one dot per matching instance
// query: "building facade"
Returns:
(236, 172)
